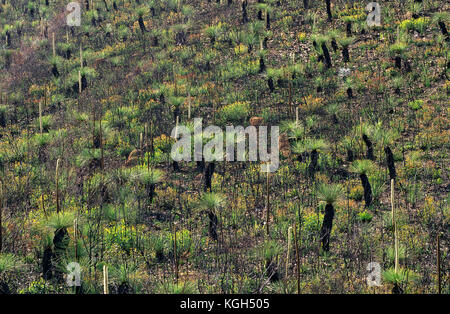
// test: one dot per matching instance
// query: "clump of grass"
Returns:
(8, 262)
(60, 220)
(329, 193)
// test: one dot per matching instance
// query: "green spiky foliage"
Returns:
(60, 220)
(363, 166)
(399, 278)
(145, 176)
(8, 262)
(329, 193)
(212, 203)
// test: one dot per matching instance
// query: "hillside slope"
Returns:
(86, 174)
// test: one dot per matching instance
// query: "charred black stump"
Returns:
(124, 288)
(367, 189)
(390, 162)
(334, 45)
(345, 54)
(47, 273)
(272, 271)
(398, 62)
(262, 66)
(141, 24)
(208, 175)
(397, 289)
(212, 225)
(369, 147)
(313, 165)
(326, 55)
(350, 156)
(327, 224)
(55, 71)
(443, 28)
(349, 92)
(330, 16)
(270, 83)
(349, 29)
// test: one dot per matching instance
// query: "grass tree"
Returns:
(386, 138)
(345, 42)
(328, 6)
(59, 222)
(398, 278)
(149, 178)
(312, 147)
(211, 203)
(348, 20)
(140, 13)
(213, 32)
(397, 52)
(441, 18)
(271, 250)
(328, 193)
(362, 167)
(319, 42)
(8, 264)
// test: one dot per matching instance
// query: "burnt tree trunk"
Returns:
(270, 83)
(398, 62)
(272, 271)
(208, 175)
(327, 224)
(212, 225)
(367, 189)
(262, 66)
(124, 288)
(60, 243)
(141, 24)
(305, 4)
(345, 54)
(313, 165)
(201, 165)
(47, 273)
(330, 16)
(334, 45)
(55, 71)
(326, 55)
(349, 29)
(397, 289)
(443, 28)
(244, 12)
(151, 192)
(350, 157)
(390, 162)
(349, 92)
(369, 147)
